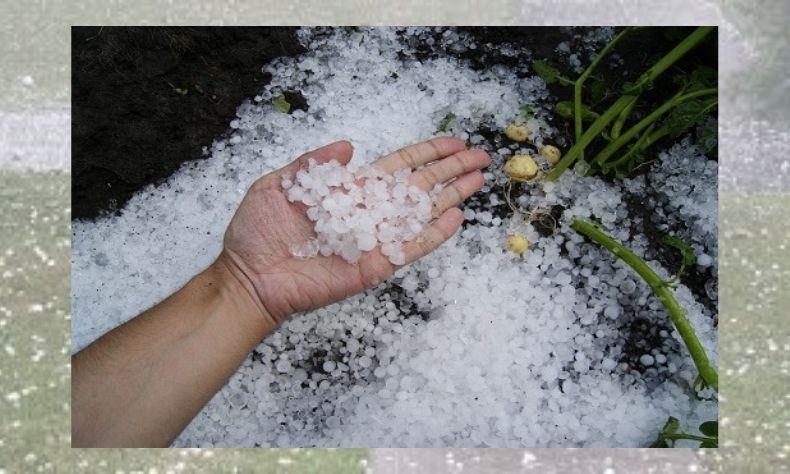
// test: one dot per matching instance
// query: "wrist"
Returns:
(236, 290)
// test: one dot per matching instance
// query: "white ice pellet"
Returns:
(611, 312)
(704, 260)
(628, 286)
(364, 362)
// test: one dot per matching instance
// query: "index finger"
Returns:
(419, 154)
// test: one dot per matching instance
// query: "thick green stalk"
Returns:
(644, 141)
(670, 58)
(618, 124)
(577, 86)
(626, 137)
(664, 294)
(596, 128)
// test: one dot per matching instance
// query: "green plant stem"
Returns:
(577, 86)
(677, 436)
(595, 129)
(664, 294)
(644, 141)
(618, 124)
(670, 58)
(626, 137)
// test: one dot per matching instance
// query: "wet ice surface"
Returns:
(544, 461)
(468, 347)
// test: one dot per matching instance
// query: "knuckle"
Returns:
(408, 157)
(460, 165)
(432, 175)
(435, 148)
(457, 194)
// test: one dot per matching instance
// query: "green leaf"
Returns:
(707, 137)
(281, 105)
(565, 110)
(686, 115)
(597, 90)
(546, 72)
(711, 443)
(672, 426)
(686, 252)
(445, 122)
(660, 442)
(702, 77)
(709, 428)
(526, 112)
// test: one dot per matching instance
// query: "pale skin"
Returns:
(140, 384)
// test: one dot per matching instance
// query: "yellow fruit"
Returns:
(521, 168)
(517, 243)
(551, 153)
(517, 132)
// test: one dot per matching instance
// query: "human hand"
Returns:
(266, 226)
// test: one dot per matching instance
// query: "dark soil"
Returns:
(144, 100)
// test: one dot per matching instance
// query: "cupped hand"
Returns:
(267, 226)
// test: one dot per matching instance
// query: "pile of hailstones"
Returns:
(355, 210)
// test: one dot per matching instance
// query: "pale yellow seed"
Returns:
(518, 132)
(521, 168)
(551, 153)
(517, 243)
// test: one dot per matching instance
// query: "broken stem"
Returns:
(664, 294)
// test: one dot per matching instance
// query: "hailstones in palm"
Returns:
(355, 211)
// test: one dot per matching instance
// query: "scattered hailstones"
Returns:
(356, 210)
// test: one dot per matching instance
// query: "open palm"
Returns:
(259, 240)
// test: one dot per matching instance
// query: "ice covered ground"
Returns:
(470, 346)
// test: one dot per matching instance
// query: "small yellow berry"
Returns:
(521, 168)
(518, 132)
(517, 243)
(551, 153)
